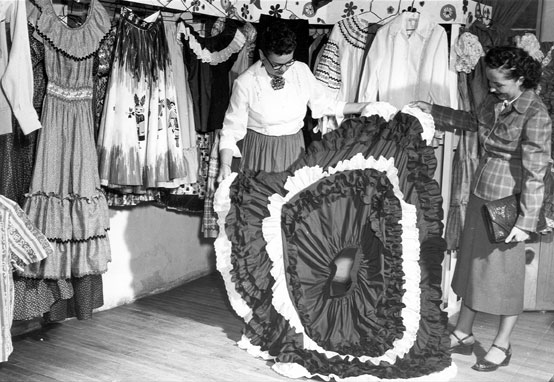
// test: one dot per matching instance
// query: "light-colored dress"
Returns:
(20, 243)
(65, 201)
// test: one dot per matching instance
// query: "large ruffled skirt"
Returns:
(365, 192)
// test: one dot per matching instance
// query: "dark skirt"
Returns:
(270, 153)
(489, 277)
(280, 234)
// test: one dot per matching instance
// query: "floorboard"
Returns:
(189, 334)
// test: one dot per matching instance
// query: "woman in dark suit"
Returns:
(514, 134)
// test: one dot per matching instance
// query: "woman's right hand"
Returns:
(422, 105)
(224, 172)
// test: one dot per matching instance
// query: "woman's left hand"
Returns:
(517, 234)
(425, 107)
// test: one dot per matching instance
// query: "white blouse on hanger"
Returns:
(16, 72)
(403, 67)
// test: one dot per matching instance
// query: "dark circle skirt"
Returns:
(364, 193)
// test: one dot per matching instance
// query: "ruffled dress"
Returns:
(365, 192)
(32, 297)
(140, 143)
(65, 201)
(208, 61)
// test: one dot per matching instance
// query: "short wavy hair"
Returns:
(278, 38)
(516, 63)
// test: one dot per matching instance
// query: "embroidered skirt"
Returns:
(140, 145)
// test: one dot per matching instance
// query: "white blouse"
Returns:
(16, 73)
(403, 67)
(255, 105)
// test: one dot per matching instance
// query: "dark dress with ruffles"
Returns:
(280, 234)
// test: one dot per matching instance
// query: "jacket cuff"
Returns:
(28, 120)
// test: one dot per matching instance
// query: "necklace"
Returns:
(277, 82)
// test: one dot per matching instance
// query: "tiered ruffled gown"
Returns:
(65, 200)
(366, 191)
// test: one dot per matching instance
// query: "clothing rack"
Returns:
(440, 11)
(452, 12)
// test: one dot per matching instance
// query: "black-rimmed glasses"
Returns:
(280, 66)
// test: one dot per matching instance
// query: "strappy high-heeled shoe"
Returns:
(461, 347)
(484, 365)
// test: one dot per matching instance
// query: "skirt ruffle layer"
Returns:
(70, 218)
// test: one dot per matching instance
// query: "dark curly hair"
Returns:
(278, 38)
(517, 63)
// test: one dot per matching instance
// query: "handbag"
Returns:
(501, 216)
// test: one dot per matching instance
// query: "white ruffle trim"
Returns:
(294, 370)
(426, 120)
(253, 350)
(388, 111)
(384, 109)
(222, 245)
(271, 229)
(213, 58)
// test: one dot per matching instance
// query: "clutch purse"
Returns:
(501, 216)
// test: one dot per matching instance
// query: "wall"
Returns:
(153, 250)
(547, 31)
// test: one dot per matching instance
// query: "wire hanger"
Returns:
(381, 20)
(411, 8)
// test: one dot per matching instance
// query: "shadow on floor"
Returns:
(203, 300)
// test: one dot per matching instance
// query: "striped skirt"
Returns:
(270, 153)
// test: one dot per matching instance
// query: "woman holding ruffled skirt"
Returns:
(332, 257)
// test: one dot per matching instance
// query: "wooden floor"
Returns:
(189, 334)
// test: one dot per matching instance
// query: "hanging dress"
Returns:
(140, 146)
(184, 97)
(20, 243)
(65, 201)
(208, 61)
(365, 191)
(32, 297)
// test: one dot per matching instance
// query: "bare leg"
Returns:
(502, 339)
(464, 326)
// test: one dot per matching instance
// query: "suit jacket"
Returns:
(515, 149)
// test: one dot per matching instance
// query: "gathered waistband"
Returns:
(70, 94)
